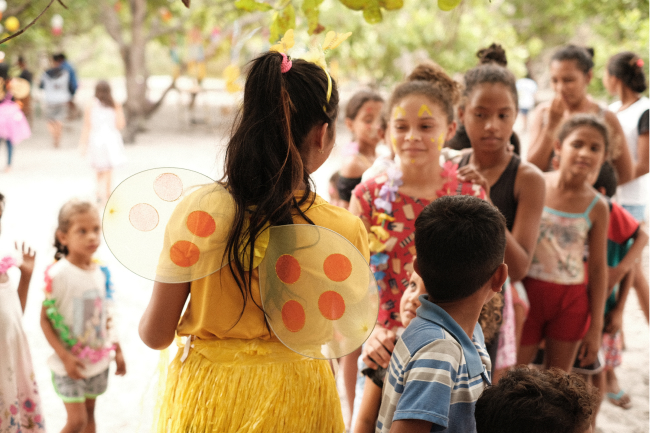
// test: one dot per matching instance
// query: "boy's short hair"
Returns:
(535, 401)
(460, 242)
(607, 179)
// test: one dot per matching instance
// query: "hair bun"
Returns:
(434, 74)
(492, 54)
(591, 51)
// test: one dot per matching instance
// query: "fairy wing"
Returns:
(161, 224)
(318, 292)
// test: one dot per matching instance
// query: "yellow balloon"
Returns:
(12, 24)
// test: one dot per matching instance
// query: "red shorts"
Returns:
(557, 311)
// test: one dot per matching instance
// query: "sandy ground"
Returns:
(43, 178)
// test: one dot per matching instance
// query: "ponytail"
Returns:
(264, 164)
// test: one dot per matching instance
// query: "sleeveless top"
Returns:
(558, 256)
(502, 193)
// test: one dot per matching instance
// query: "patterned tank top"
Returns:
(559, 253)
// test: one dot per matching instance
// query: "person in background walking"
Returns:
(58, 91)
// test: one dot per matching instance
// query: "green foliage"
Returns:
(283, 20)
(311, 10)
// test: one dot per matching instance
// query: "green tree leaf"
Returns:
(282, 21)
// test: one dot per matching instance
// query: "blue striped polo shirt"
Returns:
(436, 373)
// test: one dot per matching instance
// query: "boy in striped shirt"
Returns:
(440, 365)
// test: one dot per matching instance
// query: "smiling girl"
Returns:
(566, 301)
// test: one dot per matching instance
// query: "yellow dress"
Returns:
(237, 376)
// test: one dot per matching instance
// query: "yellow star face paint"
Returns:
(441, 141)
(394, 141)
(424, 110)
(398, 112)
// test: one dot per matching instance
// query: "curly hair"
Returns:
(534, 401)
(431, 80)
(491, 317)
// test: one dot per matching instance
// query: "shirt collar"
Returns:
(433, 313)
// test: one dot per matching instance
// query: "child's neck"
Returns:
(465, 311)
(483, 159)
(628, 97)
(366, 149)
(82, 261)
(421, 181)
(569, 182)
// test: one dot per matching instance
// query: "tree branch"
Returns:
(21, 31)
(157, 31)
(112, 25)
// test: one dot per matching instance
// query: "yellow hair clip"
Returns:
(316, 54)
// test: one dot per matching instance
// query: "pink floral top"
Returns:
(392, 217)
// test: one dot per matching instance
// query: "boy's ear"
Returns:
(499, 278)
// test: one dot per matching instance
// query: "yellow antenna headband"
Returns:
(316, 54)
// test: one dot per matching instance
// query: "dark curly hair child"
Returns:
(535, 401)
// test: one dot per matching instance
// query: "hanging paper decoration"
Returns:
(214, 35)
(165, 14)
(12, 24)
(3, 5)
(57, 24)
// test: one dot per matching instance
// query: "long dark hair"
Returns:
(628, 67)
(264, 158)
(103, 93)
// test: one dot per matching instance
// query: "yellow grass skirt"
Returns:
(249, 386)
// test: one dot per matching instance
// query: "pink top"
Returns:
(13, 124)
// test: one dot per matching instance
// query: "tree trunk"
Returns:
(135, 70)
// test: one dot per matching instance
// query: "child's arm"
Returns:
(26, 269)
(85, 131)
(542, 133)
(369, 410)
(614, 319)
(631, 257)
(411, 426)
(73, 365)
(597, 267)
(119, 360)
(120, 122)
(158, 324)
(522, 240)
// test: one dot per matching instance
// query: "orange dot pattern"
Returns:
(201, 223)
(337, 267)
(287, 269)
(184, 254)
(293, 316)
(331, 305)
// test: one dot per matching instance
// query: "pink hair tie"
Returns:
(286, 63)
(639, 63)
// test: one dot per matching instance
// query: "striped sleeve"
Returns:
(422, 384)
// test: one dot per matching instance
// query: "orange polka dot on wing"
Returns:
(184, 254)
(337, 267)
(201, 223)
(293, 316)
(331, 305)
(287, 268)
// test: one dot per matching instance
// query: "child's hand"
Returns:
(614, 321)
(119, 360)
(469, 173)
(29, 256)
(379, 347)
(590, 345)
(556, 111)
(73, 366)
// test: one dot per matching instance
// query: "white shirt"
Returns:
(80, 297)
